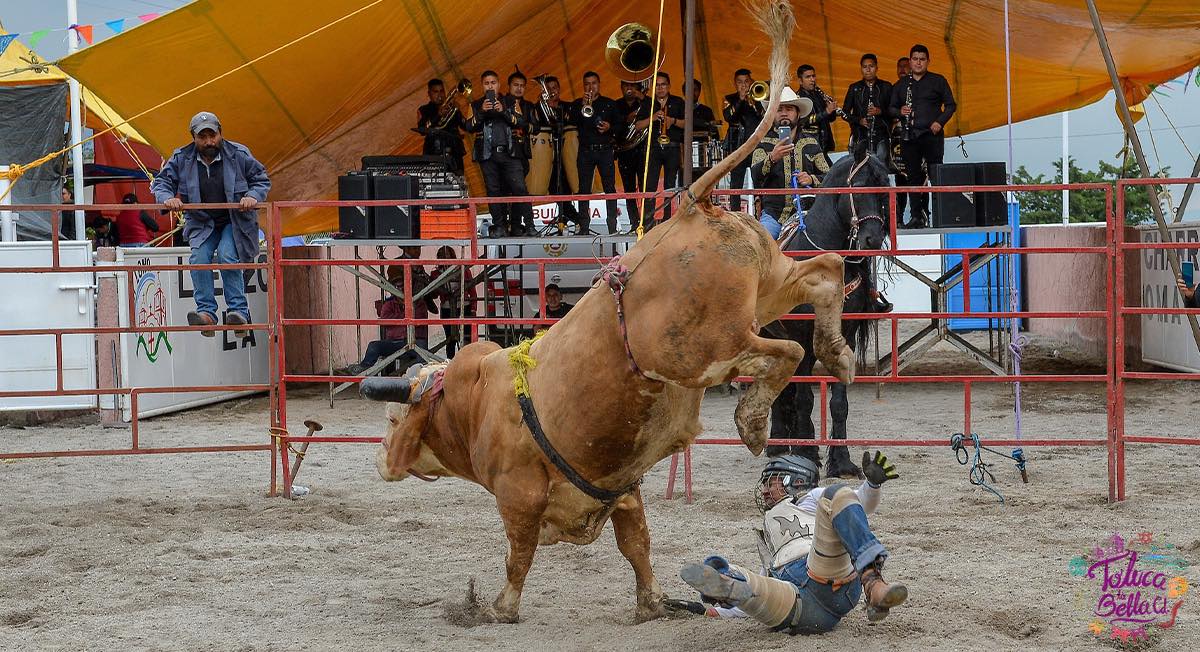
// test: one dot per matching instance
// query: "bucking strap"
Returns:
(529, 415)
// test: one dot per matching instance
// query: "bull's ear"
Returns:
(376, 388)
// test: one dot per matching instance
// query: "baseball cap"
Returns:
(204, 120)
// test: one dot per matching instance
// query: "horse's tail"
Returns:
(862, 333)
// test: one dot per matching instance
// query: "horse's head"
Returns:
(864, 214)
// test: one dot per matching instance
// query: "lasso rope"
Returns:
(521, 362)
(979, 474)
(641, 230)
(16, 170)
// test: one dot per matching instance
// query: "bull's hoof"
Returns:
(752, 426)
(650, 610)
(494, 615)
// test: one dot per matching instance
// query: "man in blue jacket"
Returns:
(212, 170)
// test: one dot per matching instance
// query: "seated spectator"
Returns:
(133, 226)
(555, 307)
(102, 233)
(395, 338)
(454, 301)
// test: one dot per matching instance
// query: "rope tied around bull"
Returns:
(615, 275)
(979, 473)
(521, 361)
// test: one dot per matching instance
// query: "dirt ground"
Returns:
(187, 552)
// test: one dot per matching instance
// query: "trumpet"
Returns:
(663, 138)
(587, 111)
(760, 90)
(448, 109)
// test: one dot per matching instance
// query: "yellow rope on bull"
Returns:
(641, 230)
(521, 362)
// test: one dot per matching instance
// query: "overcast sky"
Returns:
(1095, 131)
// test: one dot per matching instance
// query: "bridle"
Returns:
(856, 221)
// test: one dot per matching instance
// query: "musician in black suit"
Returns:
(522, 148)
(866, 108)
(664, 115)
(493, 119)
(595, 148)
(441, 139)
(742, 114)
(817, 124)
(931, 108)
(630, 150)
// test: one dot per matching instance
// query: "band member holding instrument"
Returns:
(705, 129)
(825, 109)
(595, 115)
(493, 120)
(924, 104)
(866, 106)
(896, 162)
(742, 114)
(664, 115)
(786, 153)
(553, 168)
(522, 148)
(440, 121)
(631, 144)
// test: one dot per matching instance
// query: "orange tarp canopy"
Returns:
(348, 76)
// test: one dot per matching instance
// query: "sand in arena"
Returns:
(186, 552)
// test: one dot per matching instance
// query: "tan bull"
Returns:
(698, 289)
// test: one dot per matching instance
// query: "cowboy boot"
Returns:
(878, 595)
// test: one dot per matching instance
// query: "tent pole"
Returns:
(1066, 167)
(1131, 132)
(8, 231)
(689, 93)
(76, 122)
(1187, 193)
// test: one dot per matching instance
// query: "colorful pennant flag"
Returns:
(117, 26)
(145, 18)
(37, 36)
(85, 31)
(5, 40)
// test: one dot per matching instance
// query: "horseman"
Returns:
(817, 550)
(786, 158)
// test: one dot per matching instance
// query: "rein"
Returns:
(856, 222)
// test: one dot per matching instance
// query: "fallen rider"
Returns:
(801, 593)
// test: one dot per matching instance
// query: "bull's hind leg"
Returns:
(521, 503)
(770, 363)
(633, 540)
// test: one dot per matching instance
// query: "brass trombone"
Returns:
(448, 109)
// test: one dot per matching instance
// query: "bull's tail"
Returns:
(776, 20)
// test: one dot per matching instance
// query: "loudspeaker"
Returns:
(395, 221)
(355, 220)
(990, 207)
(953, 209)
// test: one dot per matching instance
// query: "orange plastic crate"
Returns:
(456, 223)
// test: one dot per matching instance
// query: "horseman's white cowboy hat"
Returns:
(788, 96)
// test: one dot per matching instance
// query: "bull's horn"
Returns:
(395, 390)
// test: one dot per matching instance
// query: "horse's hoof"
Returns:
(843, 470)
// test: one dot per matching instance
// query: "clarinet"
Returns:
(870, 125)
(906, 126)
(838, 110)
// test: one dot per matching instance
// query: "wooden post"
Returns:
(1135, 141)
(689, 74)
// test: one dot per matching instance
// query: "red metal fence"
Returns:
(1114, 315)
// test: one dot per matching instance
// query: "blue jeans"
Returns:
(821, 606)
(233, 281)
(771, 224)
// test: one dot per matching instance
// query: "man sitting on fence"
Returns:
(395, 338)
(817, 549)
(212, 170)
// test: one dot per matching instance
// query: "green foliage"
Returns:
(1045, 206)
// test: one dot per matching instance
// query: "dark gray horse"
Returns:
(834, 222)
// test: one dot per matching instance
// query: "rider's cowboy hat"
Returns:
(788, 96)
